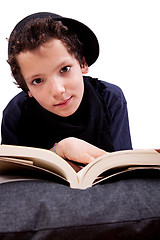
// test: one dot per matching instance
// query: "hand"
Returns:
(78, 150)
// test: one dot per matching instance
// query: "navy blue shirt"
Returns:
(25, 122)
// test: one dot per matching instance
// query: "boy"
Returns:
(81, 117)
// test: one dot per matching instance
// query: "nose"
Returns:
(56, 87)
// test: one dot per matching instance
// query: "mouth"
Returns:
(64, 103)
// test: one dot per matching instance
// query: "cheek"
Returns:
(77, 86)
(81, 89)
(40, 96)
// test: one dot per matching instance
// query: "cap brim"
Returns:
(84, 33)
(86, 36)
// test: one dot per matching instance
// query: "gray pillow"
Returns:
(123, 209)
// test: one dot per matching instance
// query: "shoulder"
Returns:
(14, 107)
(113, 95)
(12, 116)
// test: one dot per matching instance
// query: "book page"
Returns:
(121, 159)
(11, 169)
(17, 160)
(41, 158)
(115, 173)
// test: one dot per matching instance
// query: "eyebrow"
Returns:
(64, 62)
(32, 77)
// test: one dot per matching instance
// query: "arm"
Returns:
(77, 150)
(119, 123)
(120, 131)
(11, 118)
(8, 132)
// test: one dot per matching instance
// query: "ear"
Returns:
(30, 94)
(85, 68)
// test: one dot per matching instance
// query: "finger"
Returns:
(87, 159)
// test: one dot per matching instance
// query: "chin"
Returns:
(67, 113)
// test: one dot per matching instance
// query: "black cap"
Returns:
(84, 34)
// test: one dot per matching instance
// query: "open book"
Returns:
(13, 158)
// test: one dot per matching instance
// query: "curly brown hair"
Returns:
(35, 33)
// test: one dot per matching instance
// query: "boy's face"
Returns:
(54, 77)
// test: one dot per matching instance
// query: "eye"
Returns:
(36, 81)
(65, 69)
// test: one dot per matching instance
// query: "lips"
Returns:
(65, 102)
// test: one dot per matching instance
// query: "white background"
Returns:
(129, 36)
